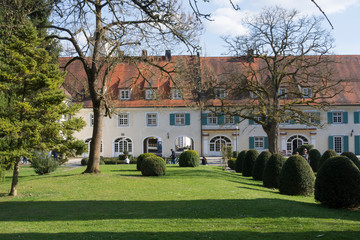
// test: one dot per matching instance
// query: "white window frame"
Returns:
(307, 92)
(152, 119)
(220, 93)
(283, 91)
(123, 119)
(125, 94)
(212, 119)
(179, 119)
(91, 120)
(338, 144)
(259, 142)
(176, 94)
(338, 116)
(150, 94)
(253, 95)
(229, 119)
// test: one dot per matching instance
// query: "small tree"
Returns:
(239, 161)
(259, 165)
(272, 171)
(249, 162)
(314, 158)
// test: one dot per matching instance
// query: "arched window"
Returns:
(122, 144)
(87, 142)
(295, 142)
(217, 142)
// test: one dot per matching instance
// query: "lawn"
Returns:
(187, 203)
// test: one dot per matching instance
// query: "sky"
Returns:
(344, 15)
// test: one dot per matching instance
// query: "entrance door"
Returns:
(216, 144)
(153, 145)
(296, 142)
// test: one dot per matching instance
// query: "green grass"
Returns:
(188, 203)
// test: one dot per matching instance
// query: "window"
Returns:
(125, 94)
(217, 142)
(122, 144)
(253, 95)
(88, 142)
(314, 117)
(91, 119)
(179, 118)
(151, 119)
(220, 93)
(229, 119)
(176, 94)
(338, 144)
(283, 94)
(150, 94)
(212, 119)
(307, 92)
(123, 120)
(259, 142)
(337, 117)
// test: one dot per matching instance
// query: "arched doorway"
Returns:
(216, 143)
(87, 142)
(122, 144)
(183, 143)
(296, 141)
(153, 145)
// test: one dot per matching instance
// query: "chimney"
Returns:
(168, 55)
(144, 53)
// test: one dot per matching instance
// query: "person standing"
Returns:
(173, 156)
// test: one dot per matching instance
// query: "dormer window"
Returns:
(307, 92)
(176, 94)
(220, 93)
(150, 94)
(125, 94)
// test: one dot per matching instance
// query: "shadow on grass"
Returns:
(187, 209)
(185, 235)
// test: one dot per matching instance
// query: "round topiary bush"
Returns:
(239, 161)
(337, 183)
(326, 155)
(272, 171)
(296, 177)
(259, 165)
(231, 163)
(249, 162)
(84, 161)
(314, 158)
(189, 158)
(153, 166)
(140, 158)
(352, 157)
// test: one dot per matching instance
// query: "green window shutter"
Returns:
(172, 119)
(187, 118)
(330, 119)
(237, 119)
(204, 119)
(251, 122)
(331, 142)
(317, 118)
(251, 143)
(356, 117)
(345, 117)
(221, 119)
(292, 121)
(266, 142)
(357, 145)
(346, 143)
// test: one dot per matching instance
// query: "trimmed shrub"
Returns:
(314, 158)
(296, 177)
(326, 155)
(272, 171)
(153, 166)
(43, 164)
(231, 163)
(249, 162)
(235, 154)
(352, 157)
(140, 158)
(259, 165)
(84, 161)
(239, 161)
(337, 183)
(189, 158)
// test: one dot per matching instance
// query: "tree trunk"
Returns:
(273, 137)
(93, 165)
(15, 178)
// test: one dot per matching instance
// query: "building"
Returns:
(150, 114)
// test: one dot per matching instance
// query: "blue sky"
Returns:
(343, 14)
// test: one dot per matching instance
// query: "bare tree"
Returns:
(103, 33)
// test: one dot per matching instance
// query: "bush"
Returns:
(235, 154)
(112, 160)
(123, 156)
(231, 163)
(189, 158)
(140, 159)
(326, 155)
(259, 165)
(272, 171)
(43, 164)
(337, 183)
(352, 157)
(239, 161)
(296, 177)
(153, 166)
(314, 158)
(249, 161)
